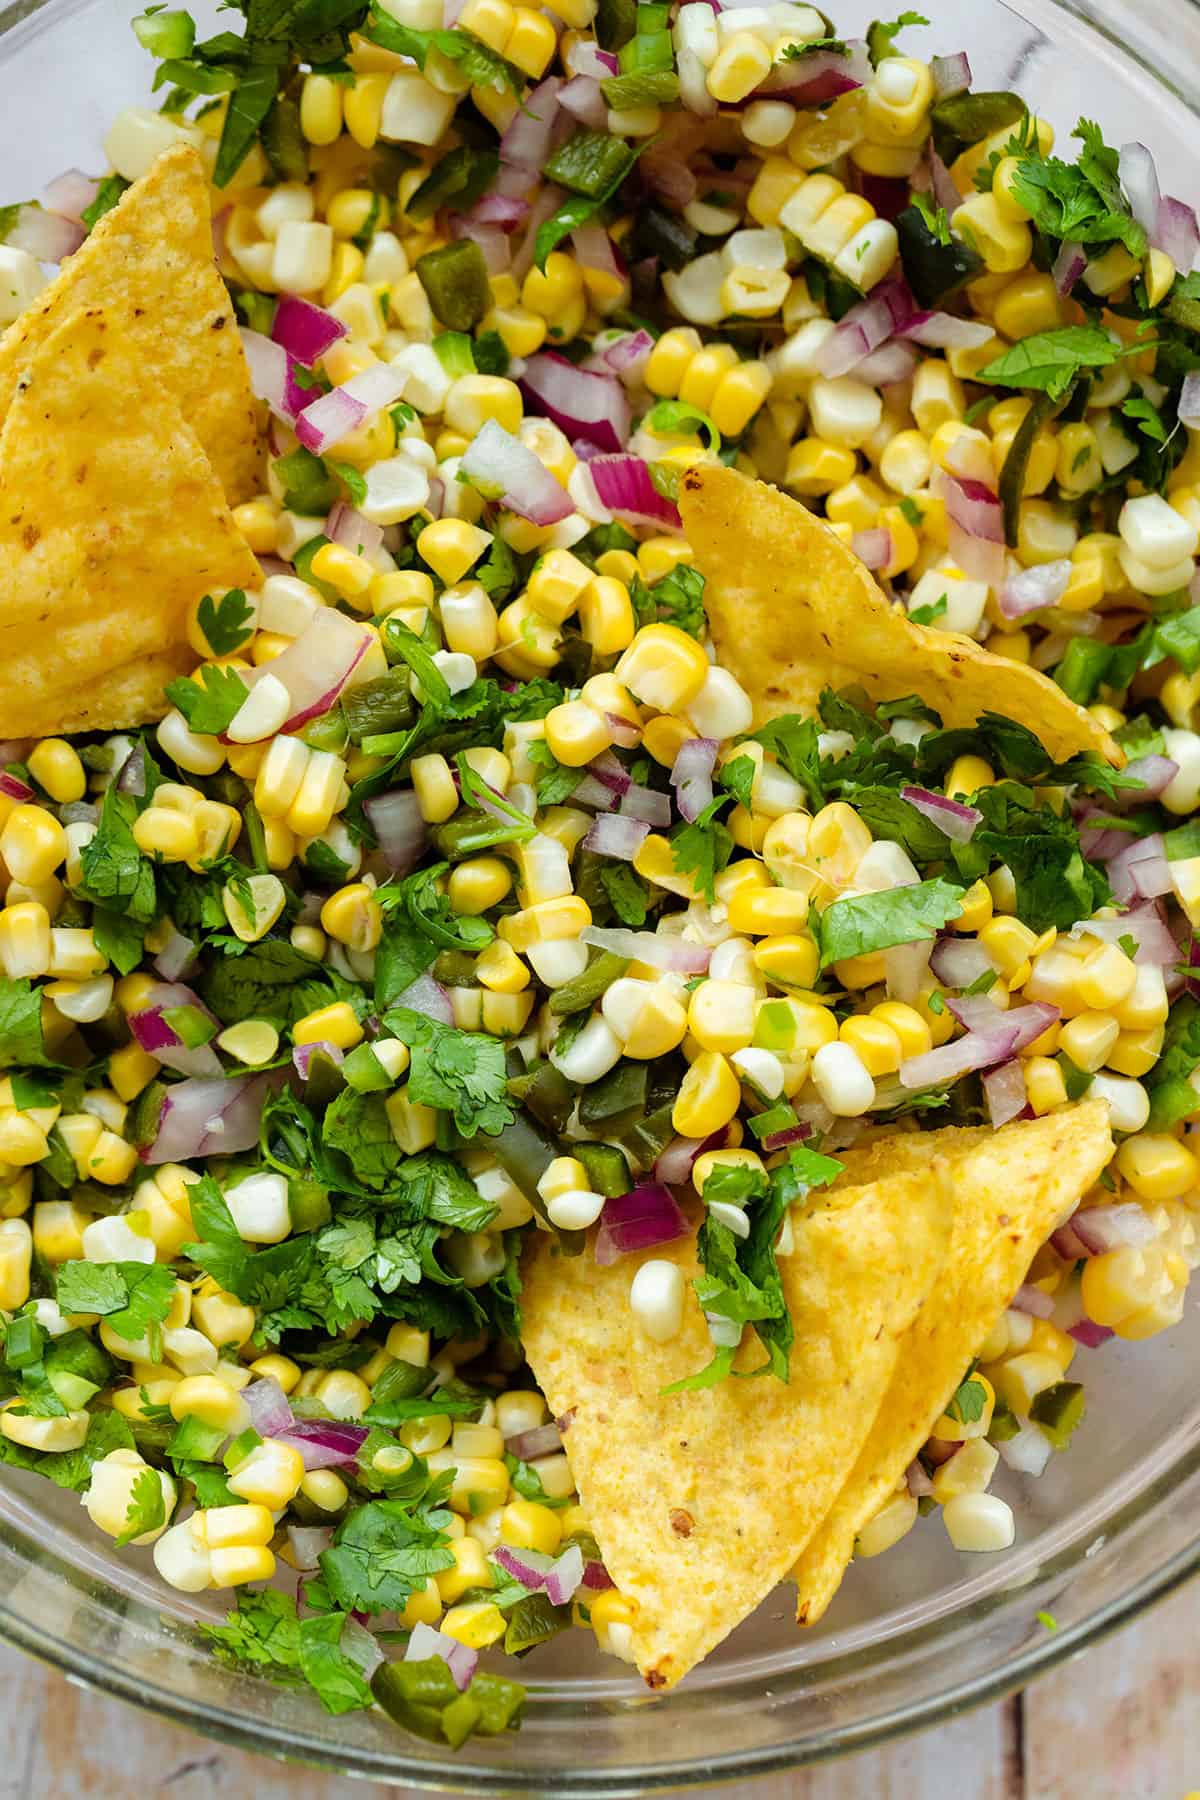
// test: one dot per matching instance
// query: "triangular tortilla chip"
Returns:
(1012, 1188)
(793, 611)
(112, 523)
(149, 264)
(700, 1501)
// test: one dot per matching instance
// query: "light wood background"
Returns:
(1121, 1722)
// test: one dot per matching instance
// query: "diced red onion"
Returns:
(582, 98)
(628, 352)
(1068, 266)
(269, 1409)
(673, 954)
(951, 74)
(505, 210)
(917, 1481)
(945, 193)
(46, 236)
(505, 469)
(624, 485)
(208, 1118)
(1031, 1300)
(13, 788)
(272, 376)
(866, 326)
(594, 249)
(317, 667)
(819, 76)
(597, 1577)
(952, 817)
(70, 194)
(873, 547)
(888, 194)
(526, 142)
(1139, 178)
(646, 1216)
(1148, 928)
(1140, 871)
(1098, 841)
(583, 404)
(427, 1642)
(958, 962)
(529, 1567)
(906, 967)
(675, 1163)
(565, 1576)
(945, 331)
(609, 769)
(1189, 400)
(543, 1440)
(545, 204)
(131, 777)
(691, 776)
(1089, 1334)
(176, 956)
(670, 177)
(1095, 1230)
(325, 421)
(791, 1134)
(984, 1044)
(1028, 590)
(623, 731)
(305, 331)
(347, 527)
(324, 1443)
(1176, 232)
(308, 1543)
(591, 791)
(1027, 1451)
(428, 997)
(976, 520)
(396, 820)
(160, 1039)
(613, 835)
(892, 362)
(585, 57)
(302, 1056)
(646, 804)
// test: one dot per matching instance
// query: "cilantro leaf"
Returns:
(147, 1509)
(325, 1663)
(1055, 885)
(793, 738)
(384, 1551)
(226, 624)
(1051, 360)
(628, 894)
(477, 65)
(358, 1126)
(460, 1072)
(220, 1250)
(211, 705)
(704, 847)
(559, 782)
(738, 776)
(132, 1297)
(115, 873)
(269, 980)
(968, 1400)
(881, 36)
(107, 195)
(1082, 200)
(21, 1038)
(862, 923)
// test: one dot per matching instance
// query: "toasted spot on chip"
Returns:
(1012, 1188)
(149, 264)
(700, 1501)
(112, 523)
(792, 611)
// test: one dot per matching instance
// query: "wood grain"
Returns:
(1119, 1723)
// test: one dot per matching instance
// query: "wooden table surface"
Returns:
(1122, 1722)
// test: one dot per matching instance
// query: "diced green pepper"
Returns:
(931, 268)
(384, 704)
(659, 233)
(965, 119)
(616, 22)
(590, 162)
(456, 182)
(456, 284)
(499, 1703)
(1058, 1410)
(547, 1094)
(607, 1169)
(641, 87)
(363, 1071)
(584, 990)
(622, 1090)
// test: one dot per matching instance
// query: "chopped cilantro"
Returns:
(703, 848)
(865, 922)
(461, 1072)
(1051, 360)
(226, 624)
(210, 705)
(928, 615)
(147, 1509)
(881, 35)
(132, 1298)
(628, 894)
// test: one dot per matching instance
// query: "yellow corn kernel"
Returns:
(968, 1471)
(526, 1525)
(55, 766)
(33, 844)
(334, 1024)
(206, 1398)
(878, 1046)
(529, 643)
(479, 883)
(130, 1069)
(967, 775)
(606, 616)
(790, 960)
(656, 862)
(577, 733)
(664, 737)
(545, 922)
(350, 574)
(26, 946)
(742, 63)
(501, 970)
(739, 395)
(1045, 1087)
(709, 1096)
(1157, 1166)
(222, 1318)
(531, 43)
(452, 546)
(555, 587)
(1009, 944)
(815, 468)
(16, 1258)
(321, 109)
(663, 668)
(671, 356)
(353, 916)
(470, 1569)
(768, 911)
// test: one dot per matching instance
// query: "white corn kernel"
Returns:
(259, 1207)
(843, 1080)
(262, 713)
(979, 1522)
(656, 1296)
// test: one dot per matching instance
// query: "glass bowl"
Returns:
(914, 1636)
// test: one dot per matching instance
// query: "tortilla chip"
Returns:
(700, 1502)
(792, 610)
(149, 264)
(112, 523)
(1012, 1188)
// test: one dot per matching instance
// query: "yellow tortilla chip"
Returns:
(149, 264)
(112, 523)
(1012, 1188)
(792, 610)
(701, 1501)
